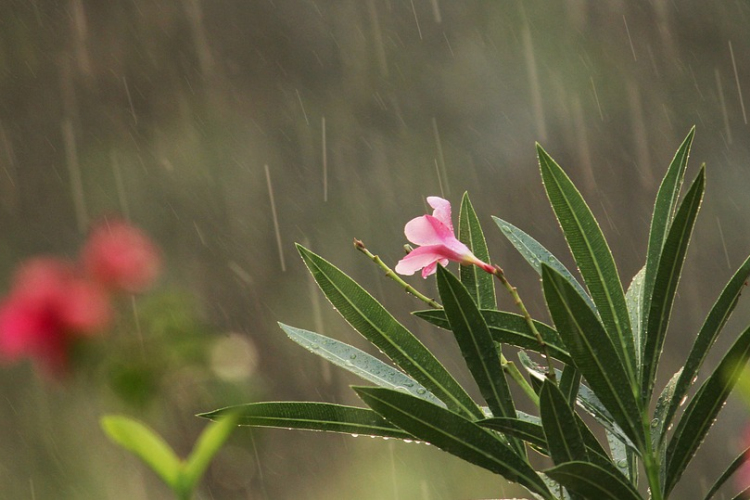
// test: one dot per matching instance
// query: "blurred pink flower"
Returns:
(438, 244)
(742, 476)
(48, 307)
(121, 257)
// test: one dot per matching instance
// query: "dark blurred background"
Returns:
(199, 120)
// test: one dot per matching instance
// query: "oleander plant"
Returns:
(598, 360)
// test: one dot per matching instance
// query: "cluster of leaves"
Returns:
(606, 343)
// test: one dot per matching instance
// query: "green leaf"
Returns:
(569, 383)
(531, 432)
(658, 428)
(359, 363)
(536, 254)
(665, 283)
(209, 443)
(634, 301)
(560, 426)
(593, 481)
(479, 283)
(624, 458)
(701, 413)
(594, 259)
(733, 467)
(376, 324)
(593, 353)
(312, 417)
(714, 323)
(508, 328)
(454, 434)
(146, 444)
(664, 208)
(477, 347)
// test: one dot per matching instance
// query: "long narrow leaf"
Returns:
(733, 467)
(634, 301)
(701, 413)
(454, 434)
(477, 347)
(714, 323)
(664, 208)
(560, 426)
(509, 328)
(376, 324)
(658, 428)
(569, 384)
(530, 432)
(312, 417)
(665, 283)
(594, 259)
(359, 363)
(624, 457)
(209, 443)
(481, 285)
(536, 254)
(593, 353)
(593, 481)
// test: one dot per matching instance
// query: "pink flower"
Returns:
(121, 257)
(48, 307)
(438, 244)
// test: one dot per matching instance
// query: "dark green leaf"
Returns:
(733, 467)
(536, 254)
(715, 321)
(509, 328)
(454, 434)
(593, 353)
(358, 362)
(377, 325)
(593, 481)
(594, 259)
(701, 413)
(530, 432)
(667, 277)
(569, 383)
(560, 426)
(479, 283)
(664, 208)
(313, 417)
(477, 347)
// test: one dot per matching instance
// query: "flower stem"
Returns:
(359, 245)
(500, 275)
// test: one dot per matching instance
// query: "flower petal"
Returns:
(441, 210)
(427, 230)
(419, 258)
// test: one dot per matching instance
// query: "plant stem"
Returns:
(511, 369)
(652, 472)
(359, 245)
(500, 275)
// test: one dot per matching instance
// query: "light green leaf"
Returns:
(376, 324)
(594, 259)
(665, 284)
(146, 444)
(714, 323)
(479, 283)
(209, 443)
(701, 413)
(593, 481)
(509, 328)
(634, 301)
(536, 254)
(454, 434)
(623, 457)
(359, 363)
(658, 428)
(664, 208)
(733, 467)
(593, 353)
(560, 426)
(477, 347)
(312, 417)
